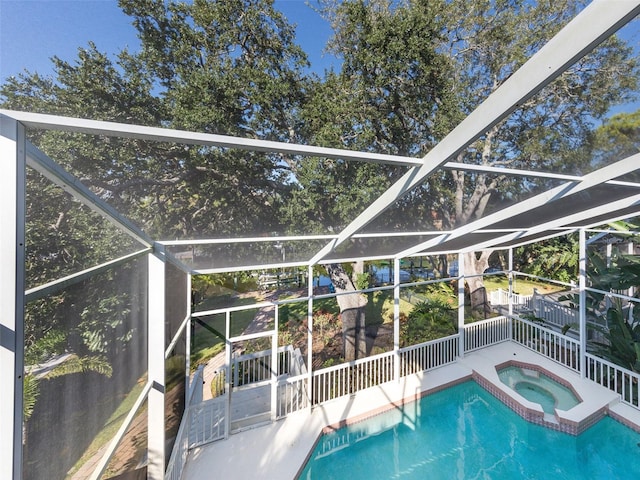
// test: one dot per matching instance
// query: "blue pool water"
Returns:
(463, 432)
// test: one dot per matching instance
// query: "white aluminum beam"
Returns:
(156, 365)
(54, 122)
(46, 289)
(123, 130)
(461, 305)
(103, 463)
(590, 180)
(517, 172)
(596, 211)
(12, 279)
(582, 282)
(593, 25)
(396, 320)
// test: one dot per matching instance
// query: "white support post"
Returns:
(583, 301)
(461, 277)
(156, 348)
(228, 384)
(632, 289)
(609, 253)
(187, 371)
(396, 319)
(310, 336)
(12, 251)
(510, 283)
(274, 369)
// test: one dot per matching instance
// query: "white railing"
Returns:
(297, 366)
(256, 367)
(560, 315)
(428, 355)
(347, 378)
(554, 312)
(615, 378)
(180, 450)
(559, 348)
(293, 395)
(487, 332)
(207, 422)
(501, 297)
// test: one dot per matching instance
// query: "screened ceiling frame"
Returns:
(588, 29)
(597, 177)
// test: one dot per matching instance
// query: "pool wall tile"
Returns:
(625, 421)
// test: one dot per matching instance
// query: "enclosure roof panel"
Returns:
(558, 202)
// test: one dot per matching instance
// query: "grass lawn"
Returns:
(208, 339)
(112, 425)
(523, 286)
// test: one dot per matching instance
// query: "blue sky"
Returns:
(33, 31)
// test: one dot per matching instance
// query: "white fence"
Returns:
(348, 378)
(501, 297)
(207, 422)
(559, 348)
(293, 395)
(553, 312)
(487, 332)
(560, 315)
(615, 378)
(429, 355)
(256, 367)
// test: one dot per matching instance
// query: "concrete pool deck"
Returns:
(280, 449)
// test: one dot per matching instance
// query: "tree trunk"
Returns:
(474, 265)
(352, 313)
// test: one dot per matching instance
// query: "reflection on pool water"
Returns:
(539, 388)
(464, 432)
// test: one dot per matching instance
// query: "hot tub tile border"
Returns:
(534, 416)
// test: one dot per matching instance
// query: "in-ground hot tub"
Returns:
(535, 385)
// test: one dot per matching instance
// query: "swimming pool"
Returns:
(464, 432)
(538, 387)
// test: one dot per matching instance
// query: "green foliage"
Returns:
(428, 320)
(622, 345)
(217, 385)
(75, 364)
(30, 395)
(410, 71)
(204, 286)
(556, 258)
(70, 365)
(363, 281)
(53, 342)
(617, 138)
